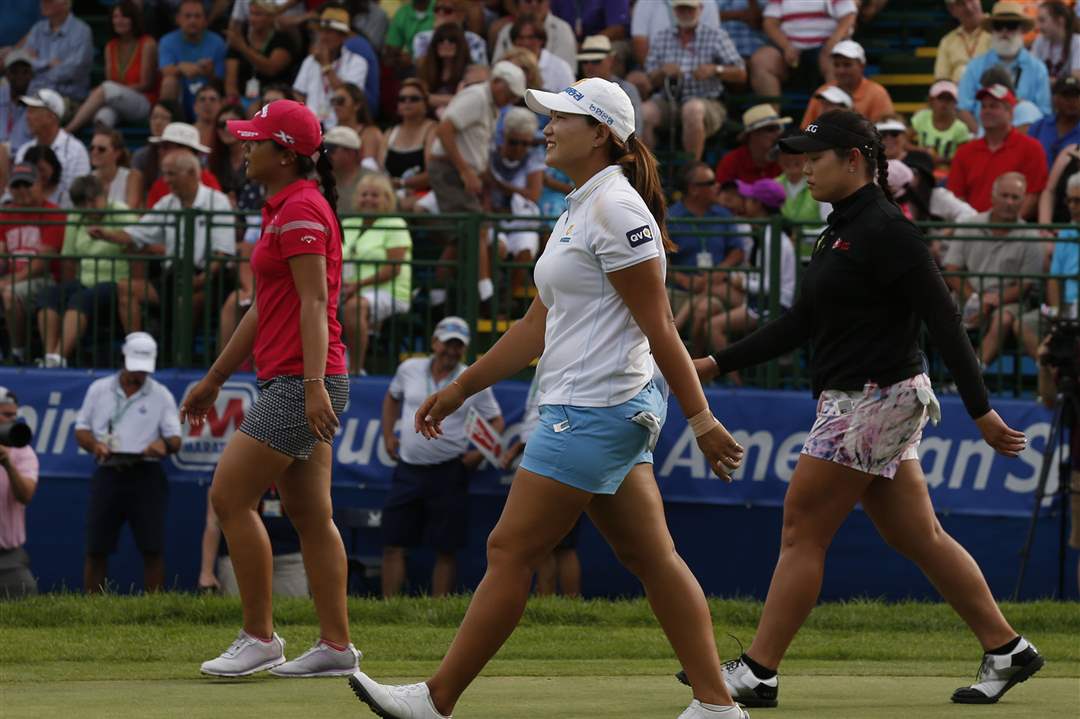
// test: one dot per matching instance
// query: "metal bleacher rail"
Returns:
(185, 305)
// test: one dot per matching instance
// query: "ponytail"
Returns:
(327, 184)
(639, 165)
(882, 166)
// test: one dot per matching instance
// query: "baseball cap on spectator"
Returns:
(511, 74)
(598, 98)
(595, 47)
(891, 125)
(335, 18)
(900, 176)
(7, 396)
(49, 99)
(452, 328)
(687, 3)
(341, 136)
(23, 172)
(850, 49)
(997, 92)
(760, 116)
(288, 123)
(17, 55)
(1006, 11)
(181, 133)
(1067, 85)
(920, 162)
(944, 87)
(140, 352)
(836, 96)
(766, 191)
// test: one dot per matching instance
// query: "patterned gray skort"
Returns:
(277, 418)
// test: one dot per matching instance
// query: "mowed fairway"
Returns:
(139, 656)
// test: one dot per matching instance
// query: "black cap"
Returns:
(920, 162)
(823, 135)
(1067, 85)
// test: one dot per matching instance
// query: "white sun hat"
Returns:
(595, 97)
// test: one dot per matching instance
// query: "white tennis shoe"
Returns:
(406, 701)
(247, 655)
(697, 711)
(321, 660)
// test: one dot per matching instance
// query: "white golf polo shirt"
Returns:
(134, 422)
(595, 355)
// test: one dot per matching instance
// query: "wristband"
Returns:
(312, 379)
(703, 422)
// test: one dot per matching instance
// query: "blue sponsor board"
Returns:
(967, 480)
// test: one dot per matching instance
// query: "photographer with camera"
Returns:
(1059, 367)
(18, 481)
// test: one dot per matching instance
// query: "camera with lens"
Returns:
(15, 434)
(1063, 348)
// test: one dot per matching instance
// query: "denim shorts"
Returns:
(593, 448)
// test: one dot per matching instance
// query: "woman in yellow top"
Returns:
(371, 290)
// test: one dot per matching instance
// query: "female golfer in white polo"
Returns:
(601, 306)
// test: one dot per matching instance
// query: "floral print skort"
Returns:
(875, 429)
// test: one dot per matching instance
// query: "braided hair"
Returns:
(872, 149)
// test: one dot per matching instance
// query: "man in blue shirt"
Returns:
(190, 55)
(1031, 81)
(61, 48)
(1061, 129)
(19, 71)
(703, 245)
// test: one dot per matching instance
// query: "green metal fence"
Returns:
(192, 307)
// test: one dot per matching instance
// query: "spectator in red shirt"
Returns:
(1002, 149)
(179, 137)
(22, 278)
(750, 160)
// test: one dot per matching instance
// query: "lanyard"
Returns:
(120, 411)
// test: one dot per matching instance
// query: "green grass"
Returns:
(138, 657)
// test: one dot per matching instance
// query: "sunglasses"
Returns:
(1007, 26)
(1068, 200)
(891, 133)
(519, 143)
(703, 183)
(337, 100)
(410, 98)
(99, 148)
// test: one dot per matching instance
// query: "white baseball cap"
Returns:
(891, 125)
(850, 49)
(598, 98)
(836, 96)
(140, 352)
(181, 133)
(49, 99)
(511, 74)
(342, 136)
(944, 87)
(452, 328)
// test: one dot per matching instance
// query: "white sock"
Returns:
(52, 359)
(486, 288)
(720, 708)
(438, 297)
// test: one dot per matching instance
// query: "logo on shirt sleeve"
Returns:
(639, 236)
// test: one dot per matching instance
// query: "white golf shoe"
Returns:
(322, 660)
(406, 701)
(247, 655)
(697, 711)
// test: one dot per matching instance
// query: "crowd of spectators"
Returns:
(103, 133)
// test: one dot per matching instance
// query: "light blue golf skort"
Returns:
(594, 448)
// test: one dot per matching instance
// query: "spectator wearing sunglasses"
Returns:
(403, 149)
(895, 136)
(111, 162)
(351, 109)
(1031, 81)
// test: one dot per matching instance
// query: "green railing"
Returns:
(191, 308)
